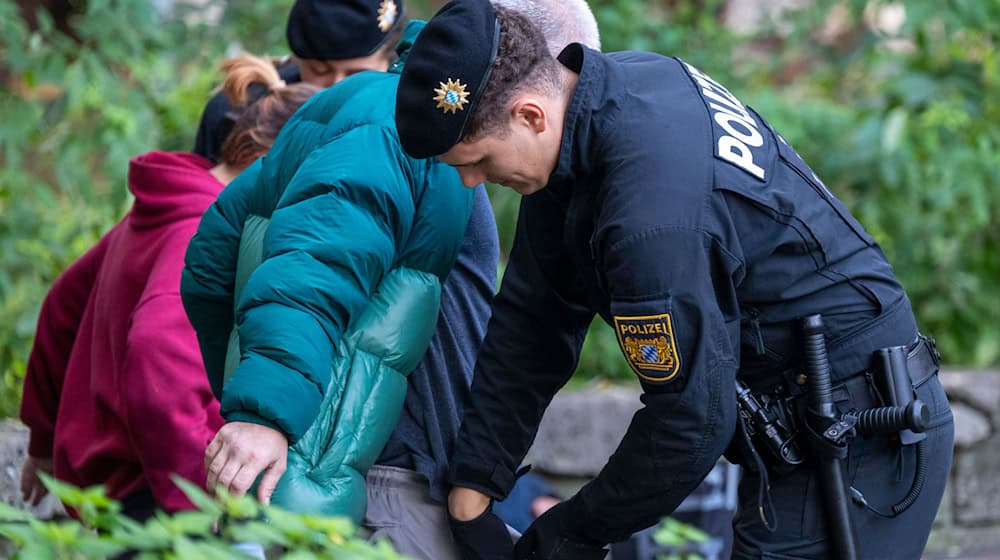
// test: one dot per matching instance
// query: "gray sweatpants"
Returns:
(401, 510)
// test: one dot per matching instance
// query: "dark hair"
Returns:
(523, 62)
(264, 103)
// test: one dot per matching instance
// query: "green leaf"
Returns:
(152, 535)
(189, 522)
(198, 497)
(17, 532)
(286, 522)
(241, 507)
(34, 550)
(301, 555)
(895, 127)
(99, 547)
(9, 513)
(186, 548)
(257, 532)
(67, 493)
(62, 532)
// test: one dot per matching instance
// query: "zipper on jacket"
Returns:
(758, 338)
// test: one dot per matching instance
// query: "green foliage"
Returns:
(261, 24)
(688, 28)
(679, 538)
(74, 113)
(209, 532)
(905, 132)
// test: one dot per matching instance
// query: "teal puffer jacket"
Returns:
(318, 272)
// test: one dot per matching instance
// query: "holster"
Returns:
(894, 373)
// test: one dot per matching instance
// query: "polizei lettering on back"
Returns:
(739, 133)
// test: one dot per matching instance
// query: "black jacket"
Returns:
(678, 215)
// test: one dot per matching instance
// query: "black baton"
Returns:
(826, 422)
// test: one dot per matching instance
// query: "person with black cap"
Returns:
(656, 199)
(339, 155)
(330, 40)
(339, 291)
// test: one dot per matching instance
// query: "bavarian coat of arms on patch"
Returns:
(649, 346)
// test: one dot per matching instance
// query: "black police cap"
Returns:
(339, 29)
(444, 76)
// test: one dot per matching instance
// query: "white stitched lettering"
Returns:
(741, 132)
(751, 136)
(730, 101)
(737, 153)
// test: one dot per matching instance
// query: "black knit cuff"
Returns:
(494, 480)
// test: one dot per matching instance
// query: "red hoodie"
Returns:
(115, 391)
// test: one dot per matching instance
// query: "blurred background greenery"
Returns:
(895, 104)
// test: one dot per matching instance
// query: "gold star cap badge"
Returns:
(451, 96)
(386, 15)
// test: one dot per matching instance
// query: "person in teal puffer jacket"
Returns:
(313, 284)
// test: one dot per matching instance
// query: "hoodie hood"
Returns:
(170, 186)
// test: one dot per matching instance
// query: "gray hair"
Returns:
(561, 21)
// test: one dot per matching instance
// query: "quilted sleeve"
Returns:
(208, 279)
(332, 237)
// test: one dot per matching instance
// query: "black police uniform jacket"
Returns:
(685, 221)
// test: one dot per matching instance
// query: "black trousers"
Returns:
(881, 470)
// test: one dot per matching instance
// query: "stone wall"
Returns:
(582, 428)
(968, 524)
(13, 450)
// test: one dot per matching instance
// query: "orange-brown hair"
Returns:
(264, 103)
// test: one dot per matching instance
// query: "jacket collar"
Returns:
(580, 140)
(410, 32)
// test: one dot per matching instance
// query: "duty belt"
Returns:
(922, 362)
(783, 415)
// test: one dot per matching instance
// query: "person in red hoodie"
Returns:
(115, 392)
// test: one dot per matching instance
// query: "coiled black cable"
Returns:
(919, 477)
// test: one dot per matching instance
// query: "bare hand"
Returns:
(466, 504)
(32, 489)
(240, 452)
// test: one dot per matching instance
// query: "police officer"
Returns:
(331, 39)
(656, 199)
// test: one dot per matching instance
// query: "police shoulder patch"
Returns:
(649, 346)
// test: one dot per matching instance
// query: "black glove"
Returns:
(483, 538)
(551, 537)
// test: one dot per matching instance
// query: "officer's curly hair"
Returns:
(523, 62)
